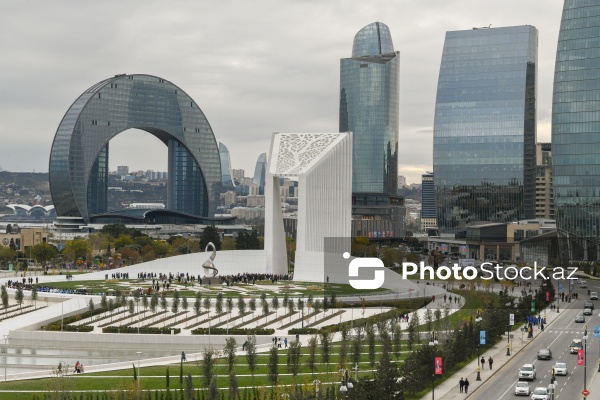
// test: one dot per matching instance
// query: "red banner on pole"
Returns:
(438, 365)
(580, 357)
(547, 296)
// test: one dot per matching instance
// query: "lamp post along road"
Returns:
(432, 343)
(478, 320)
(139, 377)
(584, 361)
(5, 354)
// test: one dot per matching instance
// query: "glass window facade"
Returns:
(485, 127)
(226, 175)
(369, 108)
(79, 154)
(260, 171)
(576, 131)
(427, 197)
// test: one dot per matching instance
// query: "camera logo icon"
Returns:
(365, 262)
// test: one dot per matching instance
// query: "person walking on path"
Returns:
(467, 385)
(183, 356)
(490, 361)
(482, 362)
(461, 384)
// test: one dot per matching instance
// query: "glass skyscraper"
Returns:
(226, 175)
(576, 131)
(260, 172)
(78, 170)
(369, 108)
(485, 127)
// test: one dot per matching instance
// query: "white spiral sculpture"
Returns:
(209, 267)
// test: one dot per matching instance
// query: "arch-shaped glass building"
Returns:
(576, 131)
(78, 169)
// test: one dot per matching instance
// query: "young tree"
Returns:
(233, 386)
(207, 365)
(343, 354)
(251, 356)
(397, 332)
(145, 302)
(273, 366)
(371, 343)
(429, 319)
(286, 298)
(206, 302)
(293, 360)
(163, 302)
(291, 309)
(91, 306)
(175, 306)
(4, 296)
(213, 390)
(413, 336)
(153, 302)
(219, 304)
(325, 348)
(312, 353)
(275, 304)
(131, 307)
(184, 304)
(241, 303)
(357, 346)
(104, 301)
(19, 296)
(252, 305)
(229, 352)
(265, 309)
(197, 308)
(229, 304)
(34, 296)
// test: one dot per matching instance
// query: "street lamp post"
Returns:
(355, 372)
(478, 320)
(344, 388)
(584, 360)
(139, 353)
(5, 354)
(551, 387)
(316, 383)
(302, 297)
(432, 343)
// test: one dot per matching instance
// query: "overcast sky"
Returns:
(253, 66)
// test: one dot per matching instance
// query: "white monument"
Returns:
(322, 162)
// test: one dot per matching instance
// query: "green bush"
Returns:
(233, 331)
(146, 330)
(52, 326)
(303, 331)
(68, 328)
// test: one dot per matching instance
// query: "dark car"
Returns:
(544, 354)
(588, 304)
(580, 318)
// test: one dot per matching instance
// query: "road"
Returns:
(557, 337)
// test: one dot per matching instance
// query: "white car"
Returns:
(587, 311)
(522, 389)
(560, 369)
(594, 296)
(540, 393)
(527, 371)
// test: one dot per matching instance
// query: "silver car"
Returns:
(560, 369)
(522, 389)
(540, 393)
(527, 371)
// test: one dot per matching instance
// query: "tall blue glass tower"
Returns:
(576, 131)
(226, 175)
(485, 127)
(369, 108)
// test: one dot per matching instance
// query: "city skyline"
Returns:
(247, 80)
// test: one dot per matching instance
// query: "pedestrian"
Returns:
(285, 342)
(461, 384)
(183, 356)
(482, 362)
(467, 385)
(490, 361)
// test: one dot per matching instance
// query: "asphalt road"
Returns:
(557, 337)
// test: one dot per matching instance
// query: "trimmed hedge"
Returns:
(147, 330)
(303, 331)
(233, 331)
(52, 326)
(69, 328)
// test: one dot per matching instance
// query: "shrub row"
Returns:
(303, 331)
(69, 320)
(68, 328)
(145, 329)
(233, 331)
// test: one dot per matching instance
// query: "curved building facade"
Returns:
(369, 108)
(78, 169)
(485, 127)
(576, 131)
(260, 171)
(226, 175)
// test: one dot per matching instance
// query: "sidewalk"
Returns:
(449, 389)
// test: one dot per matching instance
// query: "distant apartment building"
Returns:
(401, 181)
(253, 190)
(123, 170)
(544, 200)
(248, 212)
(229, 198)
(238, 174)
(255, 201)
(428, 210)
